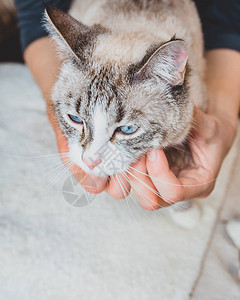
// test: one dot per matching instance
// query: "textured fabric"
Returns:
(52, 250)
(220, 20)
(221, 23)
(30, 14)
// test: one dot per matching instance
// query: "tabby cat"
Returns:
(132, 72)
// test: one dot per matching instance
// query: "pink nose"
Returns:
(92, 163)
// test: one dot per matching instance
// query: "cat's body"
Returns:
(140, 70)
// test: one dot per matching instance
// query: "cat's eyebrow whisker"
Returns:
(144, 196)
(174, 184)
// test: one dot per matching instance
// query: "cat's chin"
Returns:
(101, 171)
(110, 167)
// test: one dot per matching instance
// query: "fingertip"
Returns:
(152, 156)
(90, 183)
(156, 161)
(117, 190)
(154, 205)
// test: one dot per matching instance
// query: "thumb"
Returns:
(204, 126)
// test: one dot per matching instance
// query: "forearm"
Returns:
(42, 60)
(223, 84)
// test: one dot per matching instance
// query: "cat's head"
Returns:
(117, 95)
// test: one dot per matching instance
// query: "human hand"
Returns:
(155, 184)
(213, 137)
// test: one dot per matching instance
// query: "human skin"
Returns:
(213, 133)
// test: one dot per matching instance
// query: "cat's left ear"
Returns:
(168, 62)
(73, 37)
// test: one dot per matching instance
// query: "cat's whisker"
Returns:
(167, 200)
(148, 200)
(144, 196)
(33, 157)
(174, 184)
(53, 165)
(125, 196)
(56, 178)
(49, 167)
(147, 186)
(134, 199)
(74, 171)
(76, 168)
(58, 167)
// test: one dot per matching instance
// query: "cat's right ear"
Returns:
(72, 37)
(167, 63)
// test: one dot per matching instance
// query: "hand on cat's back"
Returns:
(212, 139)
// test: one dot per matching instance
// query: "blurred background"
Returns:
(10, 48)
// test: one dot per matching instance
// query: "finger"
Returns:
(143, 187)
(118, 187)
(205, 126)
(163, 178)
(89, 182)
(196, 183)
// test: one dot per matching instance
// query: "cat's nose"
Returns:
(91, 164)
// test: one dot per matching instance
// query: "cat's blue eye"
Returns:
(128, 129)
(75, 119)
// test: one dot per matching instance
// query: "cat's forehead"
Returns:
(120, 49)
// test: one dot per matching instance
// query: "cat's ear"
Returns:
(168, 62)
(72, 36)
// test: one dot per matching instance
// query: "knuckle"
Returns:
(177, 195)
(208, 191)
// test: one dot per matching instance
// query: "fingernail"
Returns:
(152, 155)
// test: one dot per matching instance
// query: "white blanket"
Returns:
(52, 250)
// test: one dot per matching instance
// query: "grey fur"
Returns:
(137, 92)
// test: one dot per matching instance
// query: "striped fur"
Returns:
(127, 73)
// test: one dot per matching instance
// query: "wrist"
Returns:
(222, 108)
(226, 129)
(223, 85)
(42, 59)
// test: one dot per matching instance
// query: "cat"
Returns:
(132, 73)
